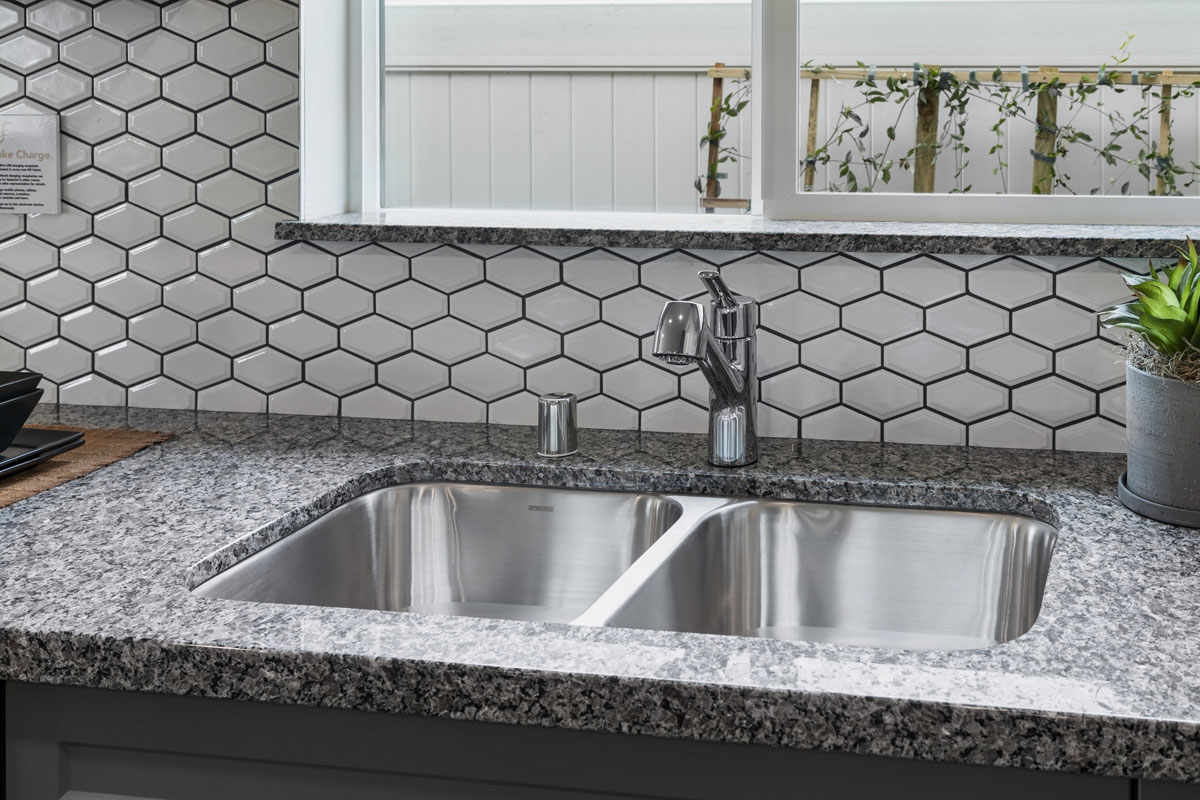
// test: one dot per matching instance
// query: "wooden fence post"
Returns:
(924, 168)
(1164, 129)
(1045, 142)
(714, 145)
(814, 97)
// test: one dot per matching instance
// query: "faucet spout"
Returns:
(682, 338)
(720, 339)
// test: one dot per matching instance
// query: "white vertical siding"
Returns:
(626, 141)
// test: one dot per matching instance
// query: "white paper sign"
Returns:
(29, 164)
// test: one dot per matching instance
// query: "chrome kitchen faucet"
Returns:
(721, 338)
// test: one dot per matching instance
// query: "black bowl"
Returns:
(13, 414)
(14, 384)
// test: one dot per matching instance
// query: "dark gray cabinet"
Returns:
(64, 739)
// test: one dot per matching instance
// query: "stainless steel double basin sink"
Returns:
(859, 575)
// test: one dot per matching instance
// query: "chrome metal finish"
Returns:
(474, 550)
(721, 340)
(557, 431)
(859, 575)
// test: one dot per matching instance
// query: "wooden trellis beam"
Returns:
(1164, 77)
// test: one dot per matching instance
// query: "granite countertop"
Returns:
(736, 232)
(95, 579)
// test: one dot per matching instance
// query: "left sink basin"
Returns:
(506, 552)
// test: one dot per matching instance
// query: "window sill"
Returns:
(729, 232)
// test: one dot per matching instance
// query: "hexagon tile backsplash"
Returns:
(161, 284)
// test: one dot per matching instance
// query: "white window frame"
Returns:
(784, 200)
(342, 159)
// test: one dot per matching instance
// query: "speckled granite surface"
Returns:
(736, 232)
(93, 591)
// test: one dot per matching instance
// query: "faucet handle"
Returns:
(717, 288)
(734, 316)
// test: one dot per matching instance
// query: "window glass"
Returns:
(998, 97)
(566, 104)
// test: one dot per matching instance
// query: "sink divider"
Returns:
(695, 509)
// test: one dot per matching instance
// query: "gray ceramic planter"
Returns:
(1163, 428)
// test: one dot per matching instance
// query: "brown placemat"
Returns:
(101, 447)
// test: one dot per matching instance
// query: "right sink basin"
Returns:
(861, 575)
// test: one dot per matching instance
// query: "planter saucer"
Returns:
(1156, 511)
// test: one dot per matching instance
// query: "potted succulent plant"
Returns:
(1162, 371)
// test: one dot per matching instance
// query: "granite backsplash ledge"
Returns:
(735, 232)
(1104, 682)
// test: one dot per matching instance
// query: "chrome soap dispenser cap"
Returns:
(557, 433)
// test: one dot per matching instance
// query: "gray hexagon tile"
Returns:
(562, 309)
(1011, 283)
(524, 343)
(25, 324)
(126, 19)
(265, 19)
(303, 336)
(128, 363)
(840, 280)
(93, 121)
(195, 19)
(93, 191)
(231, 122)
(230, 52)
(1054, 323)
(414, 375)
(27, 52)
(92, 52)
(232, 263)
(800, 392)
(761, 277)
(92, 327)
(924, 281)
(161, 260)
(161, 122)
(58, 86)
(375, 338)
(267, 370)
(925, 357)
(126, 87)
(840, 423)
(882, 318)
(840, 355)
(967, 320)
(58, 19)
(162, 192)
(195, 157)
(267, 300)
(162, 330)
(266, 87)
(373, 267)
(161, 393)
(161, 51)
(449, 340)
(799, 316)
(127, 157)
(924, 427)
(338, 302)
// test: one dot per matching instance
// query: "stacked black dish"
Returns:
(22, 448)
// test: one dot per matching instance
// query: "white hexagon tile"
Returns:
(161, 283)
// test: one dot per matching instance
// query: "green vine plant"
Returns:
(1127, 147)
(729, 106)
